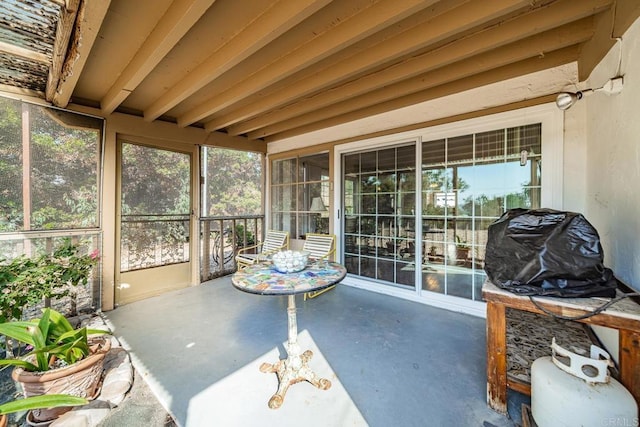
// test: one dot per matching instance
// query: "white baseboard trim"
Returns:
(460, 305)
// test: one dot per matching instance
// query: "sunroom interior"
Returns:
(404, 128)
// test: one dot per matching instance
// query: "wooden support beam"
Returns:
(63, 35)
(437, 26)
(531, 47)
(88, 22)
(345, 33)
(492, 38)
(531, 65)
(272, 23)
(174, 24)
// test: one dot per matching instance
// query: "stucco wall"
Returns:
(613, 159)
(611, 137)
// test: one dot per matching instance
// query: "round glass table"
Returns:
(263, 279)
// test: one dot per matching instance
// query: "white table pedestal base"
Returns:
(294, 368)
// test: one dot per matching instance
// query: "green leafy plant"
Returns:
(461, 243)
(26, 281)
(242, 234)
(51, 338)
(41, 402)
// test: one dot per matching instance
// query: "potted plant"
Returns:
(57, 351)
(38, 402)
(462, 249)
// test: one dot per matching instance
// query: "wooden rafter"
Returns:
(436, 27)
(61, 45)
(174, 24)
(88, 22)
(23, 53)
(374, 18)
(527, 66)
(273, 22)
(518, 28)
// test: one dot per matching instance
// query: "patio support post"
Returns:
(496, 357)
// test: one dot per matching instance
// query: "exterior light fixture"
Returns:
(565, 100)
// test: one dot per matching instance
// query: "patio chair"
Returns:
(274, 241)
(320, 247)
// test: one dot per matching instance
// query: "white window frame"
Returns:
(552, 121)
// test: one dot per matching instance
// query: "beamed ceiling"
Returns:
(269, 70)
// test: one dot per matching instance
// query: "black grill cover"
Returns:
(547, 252)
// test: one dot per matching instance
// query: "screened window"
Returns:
(50, 186)
(49, 164)
(232, 182)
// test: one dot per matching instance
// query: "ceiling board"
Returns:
(280, 69)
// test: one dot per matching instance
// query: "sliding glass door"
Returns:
(468, 181)
(461, 184)
(379, 202)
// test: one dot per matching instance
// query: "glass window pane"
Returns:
(387, 159)
(406, 181)
(490, 145)
(433, 153)
(297, 183)
(314, 168)
(386, 182)
(307, 193)
(283, 171)
(527, 138)
(406, 157)
(351, 164)
(369, 183)
(283, 198)
(460, 149)
(368, 162)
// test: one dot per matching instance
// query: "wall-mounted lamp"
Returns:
(565, 100)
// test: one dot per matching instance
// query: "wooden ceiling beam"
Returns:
(278, 18)
(174, 24)
(610, 25)
(88, 22)
(474, 72)
(376, 17)
(61, 45)
(444, 20)
(532, 65)
(518, 28)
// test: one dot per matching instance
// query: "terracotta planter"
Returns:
(81, 379)
(3, 420)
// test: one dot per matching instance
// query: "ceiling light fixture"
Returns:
(565, 100)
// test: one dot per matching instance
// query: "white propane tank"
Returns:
(580, 393)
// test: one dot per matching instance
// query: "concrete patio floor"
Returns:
(391, 362)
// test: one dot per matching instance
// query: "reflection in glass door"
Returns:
(379, 223)
(467, 183)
